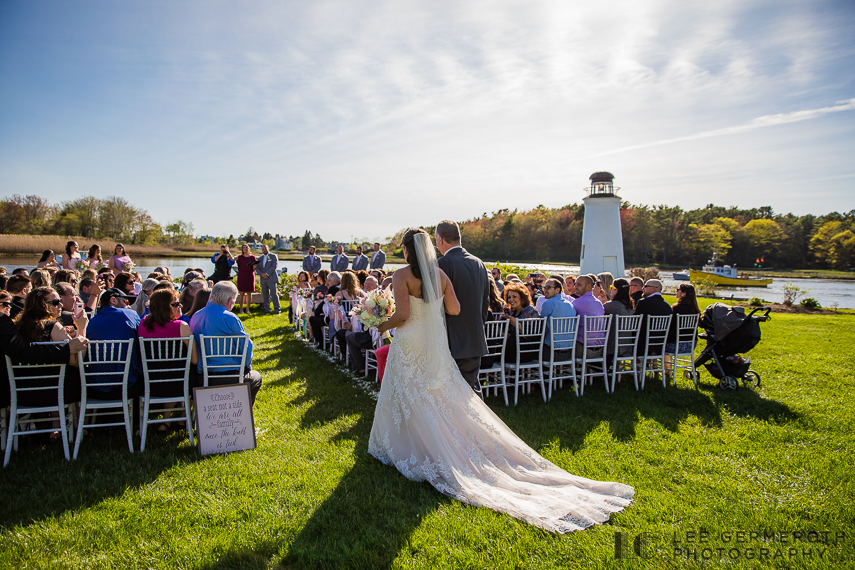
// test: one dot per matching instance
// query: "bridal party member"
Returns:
(47, 260)
(93, 259)
(120, 261)
(72, 255)
(246, 277)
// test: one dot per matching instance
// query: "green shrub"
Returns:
(810, 303)
(756, 302)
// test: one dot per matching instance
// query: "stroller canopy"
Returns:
(731, 328)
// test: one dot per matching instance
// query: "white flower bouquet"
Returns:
(128, 266)
(374, 308)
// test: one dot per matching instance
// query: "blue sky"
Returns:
(360, 118)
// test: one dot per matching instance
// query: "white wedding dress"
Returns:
(432, 427)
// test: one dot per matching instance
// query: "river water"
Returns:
(826, 291)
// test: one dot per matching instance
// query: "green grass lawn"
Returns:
(777, 459)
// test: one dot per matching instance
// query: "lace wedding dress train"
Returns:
(432, 427)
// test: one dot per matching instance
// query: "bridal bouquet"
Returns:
(128, 266)
(374, 308)
(81, 265)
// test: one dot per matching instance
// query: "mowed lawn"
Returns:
(756, 470)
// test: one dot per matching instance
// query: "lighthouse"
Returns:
(602, 239)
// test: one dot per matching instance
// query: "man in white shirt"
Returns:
(378, 258)
(339, 261)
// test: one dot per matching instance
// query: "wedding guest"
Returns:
(322, 280)
(40, 278)
(339, 261)
(141, 302)
(555, 306)
(542, 299)
(519, 307)
(85, 288)
(124, 282)
(40, 322)
(223, 262)
(362, 275)
(94, 261)
(246, 278)
(199, 301)
(120, 261)
(318, 320)
(605, 281)
(312, 262)
(18, 287)
(21, 271)
(378, 258)
(370, 284)
(570, 288)
(587, 305)
(687, 304)
(636, 289)
(67, 276)
(2, 270)
(72, 255)
(360, 262)
(115, 321)
(497, 305)
(88, 274)
(652, 303)
(216, 319)
(105, 278)
(189, 292)
(48, 259)
(163, 270)
(3, 280)
(621, 303)
(189, 276)
(350, 289)
(496, 274)
(165, 321)
(512, 277)
(303, 280)
(69, 298)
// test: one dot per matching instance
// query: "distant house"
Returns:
(282, 243)
(208, 239)
(254, 244)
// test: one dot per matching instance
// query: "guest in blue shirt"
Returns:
(115, 321)
(216, 319)
(555, 305)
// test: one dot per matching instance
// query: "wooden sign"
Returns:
(224, 421)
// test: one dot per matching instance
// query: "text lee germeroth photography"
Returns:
(791, 547)
(420, 285)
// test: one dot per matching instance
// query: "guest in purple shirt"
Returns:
(587, 305)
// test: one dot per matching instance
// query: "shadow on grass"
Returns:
(369, 516)
(39, 483)
(572, 418)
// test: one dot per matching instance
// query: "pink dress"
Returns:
(171, 329)
(246, 273)
(119, 263)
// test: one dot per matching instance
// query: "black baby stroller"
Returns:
(730, 331)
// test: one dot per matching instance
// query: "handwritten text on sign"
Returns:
(224, 421)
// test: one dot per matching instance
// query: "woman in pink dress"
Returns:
(246, 277)
(164, 321)
(72, 255)
(120, 261)
(94, 260)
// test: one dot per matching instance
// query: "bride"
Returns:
(432, 427)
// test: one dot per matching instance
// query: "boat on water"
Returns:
(726, 275)
(684, 275)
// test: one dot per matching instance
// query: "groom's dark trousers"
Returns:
(466, 337)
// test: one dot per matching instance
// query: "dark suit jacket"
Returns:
(655, 305)
(14, 345)
(379, 261)
(468, 275)
(343, 262)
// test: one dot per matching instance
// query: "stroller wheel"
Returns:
(752, 377)
(687, 374)
(728, 383)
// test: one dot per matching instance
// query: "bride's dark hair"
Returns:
(409, 242)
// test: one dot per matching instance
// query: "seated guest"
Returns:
(141, 302)
(216, 319)
(542, 299)
(321, 282)
(587, 305)
(362, 275)
(555, 306)
(303, 280)
(162, 269)
(48, 259)
(21, 271)
(371, 284)
(88, 274)
(3, 280)
(39, 322)
(115, 321)
(497, 305)
(164, 321)
(69, 299)
(18, 286)
(199, 301)
(636, 289)
(189, 292)
(189, 276)
(23, 350)
(519, 307)
(67, 276)
(621, 303)
(350, 291)
(318, 320)
(652, 303)
(357, 342)
(605, 281)
(124, 282)
(687, 304)
(496, 276)
(40, 278)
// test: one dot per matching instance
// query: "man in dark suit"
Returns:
(651, 304)
(339, 261)
(312, 262)
(378, 258)
(467, 273)
(360, 262)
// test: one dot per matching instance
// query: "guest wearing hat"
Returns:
(115, 321)
(652, 303)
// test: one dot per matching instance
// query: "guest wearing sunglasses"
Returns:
(115, 321)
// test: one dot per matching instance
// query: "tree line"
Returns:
(669, 235)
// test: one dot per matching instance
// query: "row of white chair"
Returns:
(609, 347)
(164, 360)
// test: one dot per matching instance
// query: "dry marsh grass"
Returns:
(31, 245)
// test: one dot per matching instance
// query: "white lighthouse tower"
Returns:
(602, 239)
